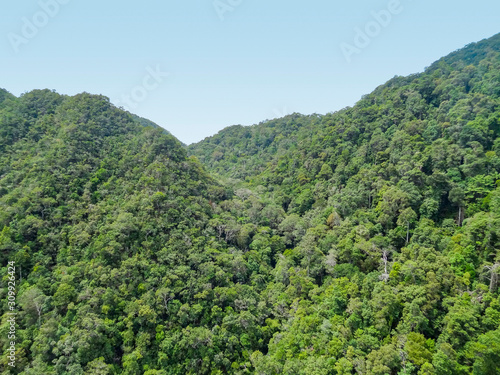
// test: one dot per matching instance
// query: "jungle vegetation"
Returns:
(364, 241)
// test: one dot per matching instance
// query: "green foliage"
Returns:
(362, 241)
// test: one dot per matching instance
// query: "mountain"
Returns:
(472, 70)
(393, 196)
(106, 222)
(145, 122)
(364, 241)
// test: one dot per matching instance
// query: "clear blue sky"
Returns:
(263, 59)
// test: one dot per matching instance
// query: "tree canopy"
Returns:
(364, 241)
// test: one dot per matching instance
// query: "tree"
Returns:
(486, 352)
(457, 197)
(406, 218)
(416, 347)
(494, 270)
(326, 172)
(97, 367)
(383, 361)
(33, 301)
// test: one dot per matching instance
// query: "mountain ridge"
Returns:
(485, 46)
(362, 241)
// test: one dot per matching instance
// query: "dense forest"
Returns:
(364, 241)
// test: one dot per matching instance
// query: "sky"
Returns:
(197, 66)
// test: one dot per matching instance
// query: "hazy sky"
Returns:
(229, 61)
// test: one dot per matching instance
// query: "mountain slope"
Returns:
(360, 242)
(389, 211)
(426, 97)
(406, 123)
(107, 222)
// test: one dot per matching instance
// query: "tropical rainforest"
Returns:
(364, 241)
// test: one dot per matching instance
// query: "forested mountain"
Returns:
(364, 241)
(396, 198)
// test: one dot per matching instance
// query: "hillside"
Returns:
(107, 222)
(364, 241)
(395, 197)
